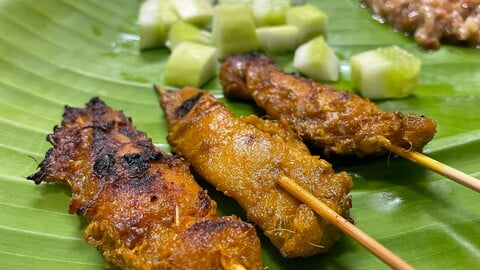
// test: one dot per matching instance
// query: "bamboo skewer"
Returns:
(344, 225)
(430, 163)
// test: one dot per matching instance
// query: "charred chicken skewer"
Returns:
(144, 209)
(244, 158)
(336, 121)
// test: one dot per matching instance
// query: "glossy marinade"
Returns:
(244, 156)
(339, 122)
(144, 209)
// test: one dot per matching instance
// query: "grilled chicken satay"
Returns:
(432, 21)
(144, 209)
(243, 157)
(338, 122)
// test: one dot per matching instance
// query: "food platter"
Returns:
(61, 52)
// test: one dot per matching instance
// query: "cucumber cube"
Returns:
(198, 12)
(316, 60)
(310, 21)
(277, 39)
(154, 20)
(233, 29)
(190, 64)
(181, 31)
(270, 12)
(389, 72)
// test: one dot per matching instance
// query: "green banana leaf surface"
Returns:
(58, 52)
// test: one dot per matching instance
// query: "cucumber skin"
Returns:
(154, 20)
(270, 12)
(190, 64)
(197, 12)
(182, 31)
(316, 60)
(152, 36)
(278, 39)
(371, 86)
(234, 30)
(385, 73)
(310, 21)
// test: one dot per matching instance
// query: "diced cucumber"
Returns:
(270, 12)
(181, 31)
(233, 29)
(310, 21)
(198, 12)
(389, 72)
(190, 64)
(278, 39)
(229, 2)
(316, 60)
(154, 20)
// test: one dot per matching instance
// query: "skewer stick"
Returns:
(430, 163)
(344, 225)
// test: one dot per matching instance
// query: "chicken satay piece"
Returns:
(432, 21)
(336, 121)
(144, 208)
(244, 157)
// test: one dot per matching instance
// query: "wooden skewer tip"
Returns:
(344, 225)
(432, 164)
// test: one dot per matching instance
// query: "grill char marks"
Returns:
(187, 105)
(104, 166)
(135, 163)
(140, 202)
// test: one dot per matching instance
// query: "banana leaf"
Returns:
(57, 52)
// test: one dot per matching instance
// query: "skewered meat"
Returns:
(243, 157)
(432, 21)
(145, 210)
(338, 122)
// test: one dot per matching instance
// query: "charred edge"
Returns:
(50, 139)
(127, 131)
(249, 55)
(351, 220)
(136, 163)
(169, 160)
(204, 200)
(104, 166)
(105, 125)
(187, 105)
(208, 226)
(256, 57)
(95, 102)
(38, 177)
(81, 210)
(142, 183)
(68, 110)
